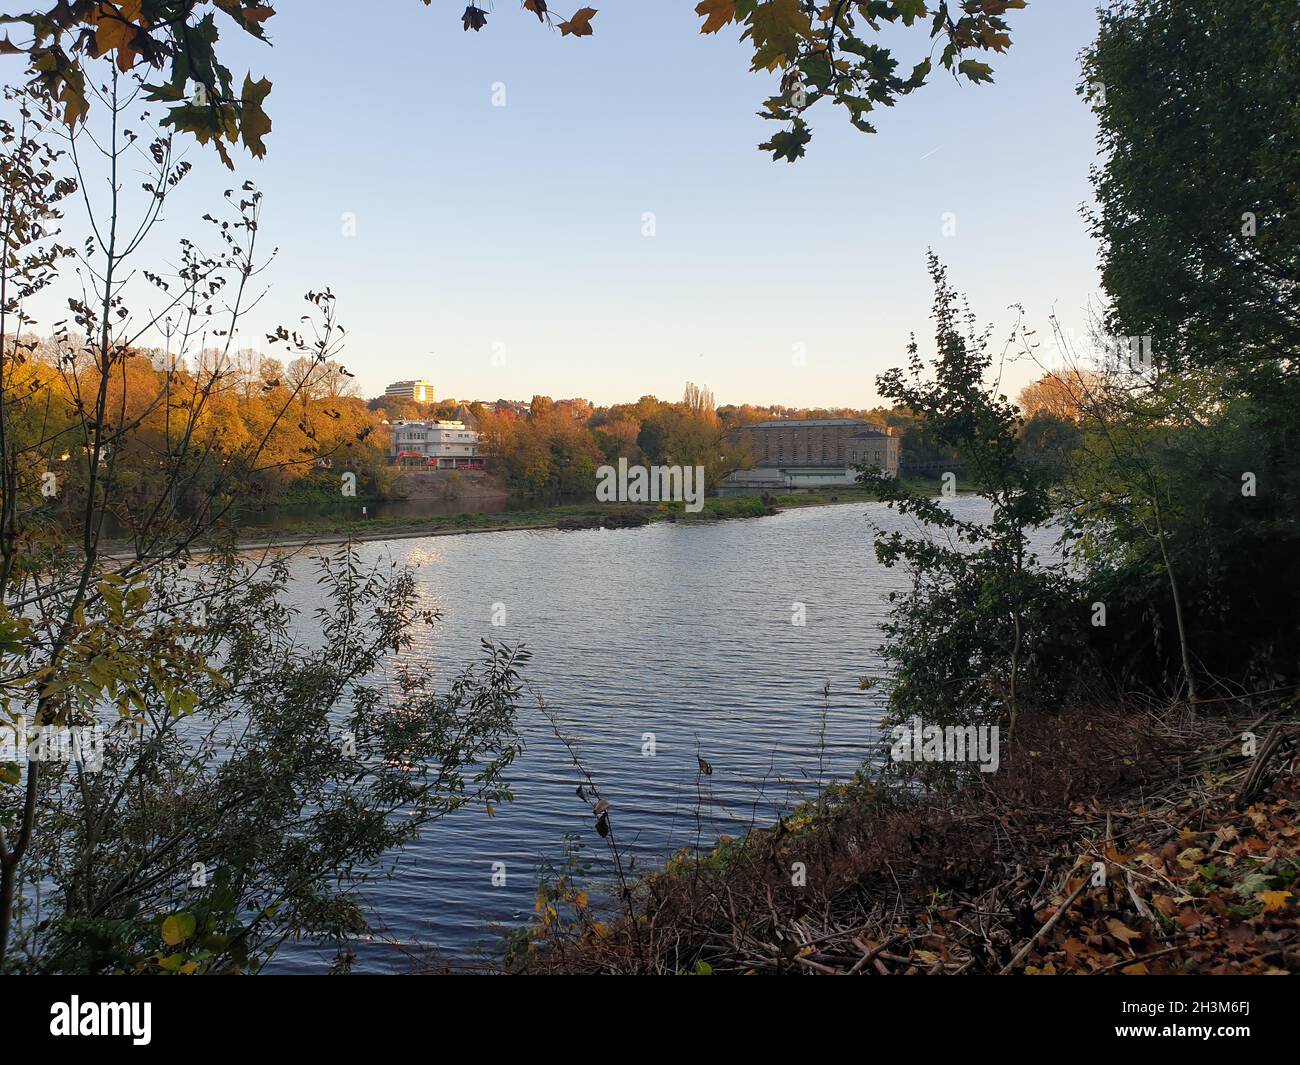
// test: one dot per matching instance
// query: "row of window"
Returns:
(854, 454)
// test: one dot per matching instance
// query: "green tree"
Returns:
(217, 727)
(1187, 495)
(1198, 208)
(986, 626)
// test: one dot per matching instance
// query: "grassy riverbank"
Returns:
(1116, 840)
(334, 528)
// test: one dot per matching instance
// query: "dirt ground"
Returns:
(449, 484)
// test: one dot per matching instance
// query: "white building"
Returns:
(445, 445)
(419, 391)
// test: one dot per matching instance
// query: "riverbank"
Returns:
(334, 529)
(1114, 840)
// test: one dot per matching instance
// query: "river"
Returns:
(685, 631)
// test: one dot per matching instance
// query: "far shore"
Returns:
(575, 516)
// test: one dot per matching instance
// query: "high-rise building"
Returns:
(419, 391)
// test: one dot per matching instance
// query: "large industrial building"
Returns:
(812, 453)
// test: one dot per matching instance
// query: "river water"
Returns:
(689, 632)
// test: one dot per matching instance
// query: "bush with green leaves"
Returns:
(1186, 502)
(298, 765)
(987, 623)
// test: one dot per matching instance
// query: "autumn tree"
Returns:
(169, 641)
(820, 51)
(1058, 394)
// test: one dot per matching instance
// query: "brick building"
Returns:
(806, 453)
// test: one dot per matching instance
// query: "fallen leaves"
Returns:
(1274, 901)
(1121, 931)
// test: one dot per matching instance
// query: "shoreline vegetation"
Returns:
(331, 530)
(1120, 837)
(262, 763)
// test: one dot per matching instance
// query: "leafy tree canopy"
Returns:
(820, 50)
(822, 53)
(1198, 214)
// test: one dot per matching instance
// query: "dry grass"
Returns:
(1117, 840)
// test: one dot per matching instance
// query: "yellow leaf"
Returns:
(1273, 900)
(177, 928)
(255, 122)
(716, 14)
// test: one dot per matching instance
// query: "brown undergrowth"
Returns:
(1120, 841)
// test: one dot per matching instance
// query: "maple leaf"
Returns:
(66, 82)
(257, 15)
(976, 71)
(788, 144)
(775, 28)
(256, 123)
(1122, 932)
(716, 14)
(910, 10)
(474, 18)
(116, 30)
(537, 7)
(1273, 900)
(580, 24)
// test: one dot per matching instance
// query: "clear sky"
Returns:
(518, 229)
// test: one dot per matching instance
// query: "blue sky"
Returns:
(518, 229)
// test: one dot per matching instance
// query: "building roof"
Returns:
(439, 423)
(806, 423)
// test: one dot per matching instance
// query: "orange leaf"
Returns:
(1122, 932)
(580, 24)
(716, 14)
